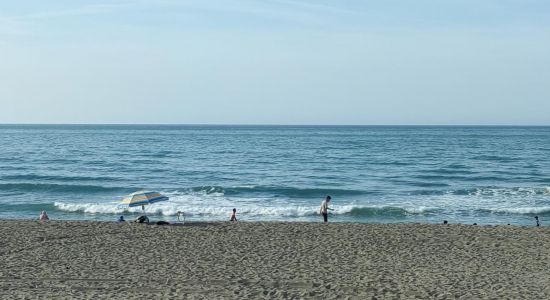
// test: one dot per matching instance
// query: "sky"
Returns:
(304, 62)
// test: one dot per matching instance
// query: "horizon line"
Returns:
(281, 125)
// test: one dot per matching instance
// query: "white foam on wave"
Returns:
(170, 209)
(223, 209)
(523, 210)
(93, 208)
(509, 192)
(420, 209)
(201, 203)
(346, 209)
(215, 204)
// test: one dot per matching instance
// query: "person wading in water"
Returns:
(324, 208)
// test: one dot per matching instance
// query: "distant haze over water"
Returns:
(466, 174)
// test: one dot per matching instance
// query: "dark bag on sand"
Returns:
(142, 219)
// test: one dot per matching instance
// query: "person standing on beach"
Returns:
(234, 215)
(324, 208)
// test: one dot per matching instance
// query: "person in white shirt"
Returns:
(324, 208)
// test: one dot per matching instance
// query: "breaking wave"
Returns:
(488, 192)
(171, 209)
(543, 210)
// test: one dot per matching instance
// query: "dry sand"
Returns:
(93, 260)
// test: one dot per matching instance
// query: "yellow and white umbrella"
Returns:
(143, 198)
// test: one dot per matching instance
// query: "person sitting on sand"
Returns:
(44, 216)
(234, 215)
(324, 208)
(121, 219)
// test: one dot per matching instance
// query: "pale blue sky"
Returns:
(275, 62)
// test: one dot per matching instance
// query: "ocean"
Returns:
(378, 174)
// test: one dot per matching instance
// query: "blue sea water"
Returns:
(487, 175)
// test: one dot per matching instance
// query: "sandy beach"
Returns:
(92, 260)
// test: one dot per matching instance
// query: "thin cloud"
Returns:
(293, 11)
(78, 11)
(22, 25)
(318, 7)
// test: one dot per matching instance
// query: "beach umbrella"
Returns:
(143, 198)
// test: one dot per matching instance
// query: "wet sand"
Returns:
(99, 260)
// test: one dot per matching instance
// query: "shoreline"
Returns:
(172, 220)
(205, 260)
(153, 219)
